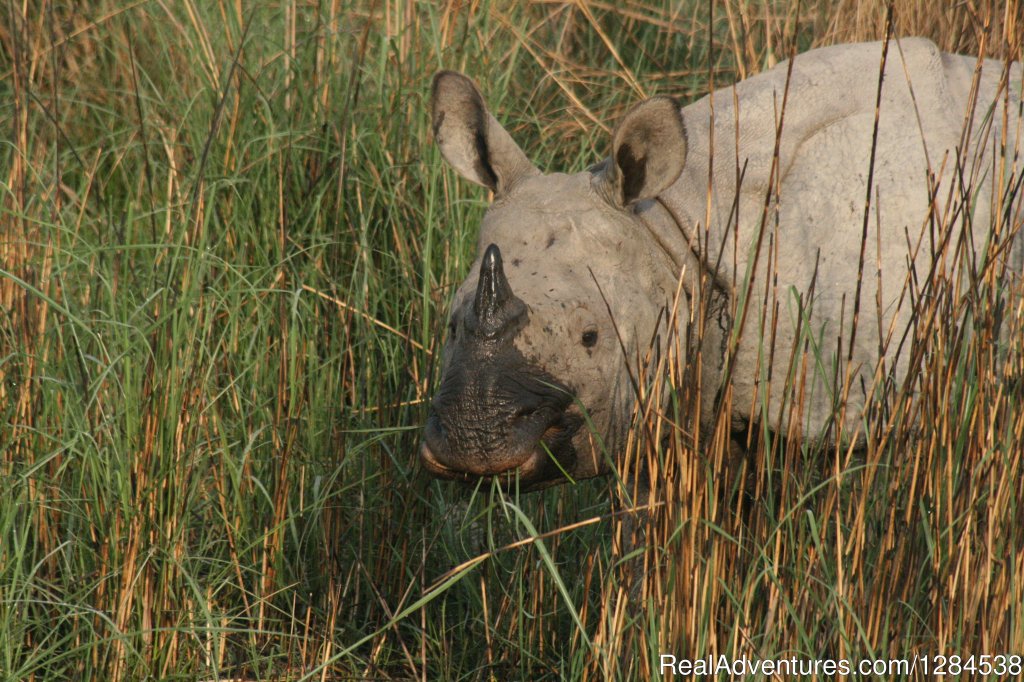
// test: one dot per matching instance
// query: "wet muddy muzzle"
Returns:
(495, 413)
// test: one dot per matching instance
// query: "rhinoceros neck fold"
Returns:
(675, 233)
(671, 230)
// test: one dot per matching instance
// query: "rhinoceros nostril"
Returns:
(536, 417)
(524, 413)
(551, 433)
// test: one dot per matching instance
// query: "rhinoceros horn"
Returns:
(495, 306)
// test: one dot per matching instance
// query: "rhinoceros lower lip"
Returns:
(432, 465)
(526, 470)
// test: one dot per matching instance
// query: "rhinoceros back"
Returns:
(931, 140)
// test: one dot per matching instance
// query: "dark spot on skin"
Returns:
(516, 262)
(551, 241)
(633, 170)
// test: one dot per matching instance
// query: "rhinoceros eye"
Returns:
(589, 339)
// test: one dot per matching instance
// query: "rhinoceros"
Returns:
(577, 273)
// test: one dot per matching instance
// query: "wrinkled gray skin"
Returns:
(573, 270)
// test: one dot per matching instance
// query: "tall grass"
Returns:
(226, 244)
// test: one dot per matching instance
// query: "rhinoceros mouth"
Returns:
(525, 470)
(549, 460)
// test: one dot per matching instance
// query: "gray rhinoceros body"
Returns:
(584, 269)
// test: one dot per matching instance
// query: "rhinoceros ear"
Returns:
(648, 151)
(471, 139)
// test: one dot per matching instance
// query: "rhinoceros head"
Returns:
(565, 294)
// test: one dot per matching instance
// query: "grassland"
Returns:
(226, 244)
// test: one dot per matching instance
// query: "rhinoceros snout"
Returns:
(497, 414)
(531, 445)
